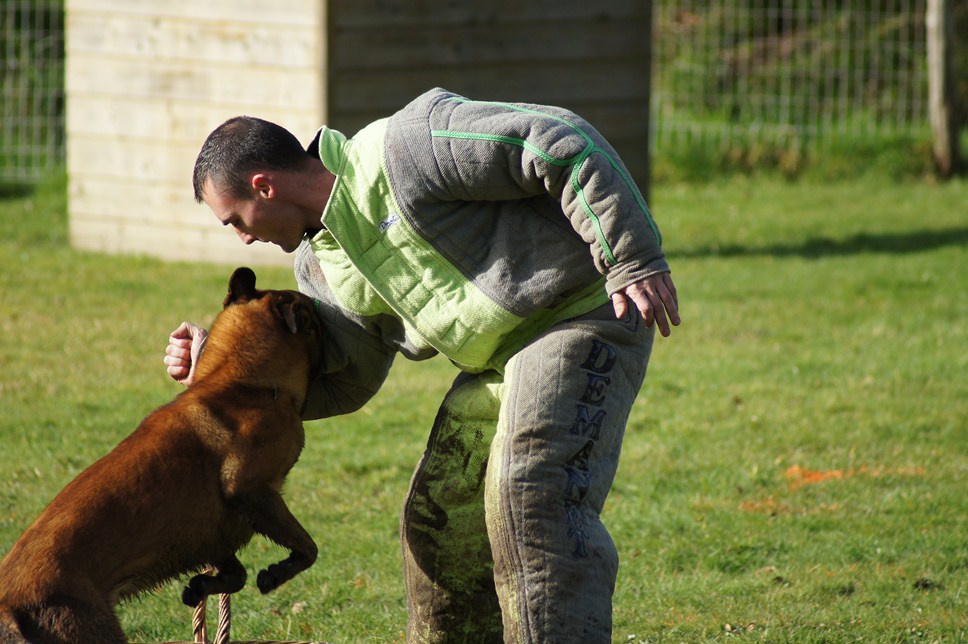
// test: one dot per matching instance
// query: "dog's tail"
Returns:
(9, 630)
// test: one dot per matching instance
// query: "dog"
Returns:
(186, 490)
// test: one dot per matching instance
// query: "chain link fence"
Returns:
(789, 76)
(730, 77)
(31, 89)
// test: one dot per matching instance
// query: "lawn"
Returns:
(795, 469)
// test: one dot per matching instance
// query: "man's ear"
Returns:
(262, 184)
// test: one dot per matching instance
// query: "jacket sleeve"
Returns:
(356, 360)
(353, 370)
(499, 151)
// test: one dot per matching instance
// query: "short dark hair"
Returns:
(243, 145)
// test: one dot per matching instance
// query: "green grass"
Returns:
(795, 468)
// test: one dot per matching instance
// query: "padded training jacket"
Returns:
(477, 225)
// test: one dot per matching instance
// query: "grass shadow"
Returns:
(16, 190)
(817, 247)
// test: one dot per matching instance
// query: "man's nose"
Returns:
(244, 236)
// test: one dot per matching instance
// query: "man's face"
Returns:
(261, 217)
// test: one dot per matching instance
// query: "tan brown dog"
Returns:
(187, 489)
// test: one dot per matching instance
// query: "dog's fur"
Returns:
(187, 489)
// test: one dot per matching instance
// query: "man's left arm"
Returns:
(513, 152)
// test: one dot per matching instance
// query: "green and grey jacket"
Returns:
(467, 228)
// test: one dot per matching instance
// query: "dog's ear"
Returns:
(241, 286)
(293, 312)
(287, 311)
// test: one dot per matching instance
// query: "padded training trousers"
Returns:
(500, 531)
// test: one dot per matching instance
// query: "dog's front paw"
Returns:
(195, 592)
(267, 579)
(277, 574)
(191, 597)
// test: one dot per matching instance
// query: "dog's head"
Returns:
(263, 335)
(292, 307)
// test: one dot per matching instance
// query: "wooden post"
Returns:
(941, 90)
(645, 184)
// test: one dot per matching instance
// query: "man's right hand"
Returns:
(181, 355)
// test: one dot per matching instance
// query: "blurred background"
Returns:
(795, 470)
(122, 92)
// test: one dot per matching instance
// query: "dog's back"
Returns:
(174, 495)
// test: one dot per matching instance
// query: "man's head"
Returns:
(256, 177)
(241, 146)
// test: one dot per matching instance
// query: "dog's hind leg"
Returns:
(270, 517)
(9, 630)
(65, 619)
(230, 578)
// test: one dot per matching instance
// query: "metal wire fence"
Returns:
(727, 73)
(31, 88)
(788, 72)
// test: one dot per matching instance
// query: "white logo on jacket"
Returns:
(389, 221)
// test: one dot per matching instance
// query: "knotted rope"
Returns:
(200, 625)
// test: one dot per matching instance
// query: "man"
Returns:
(511, 239)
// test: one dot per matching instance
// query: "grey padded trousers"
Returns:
(501, 534)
